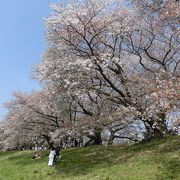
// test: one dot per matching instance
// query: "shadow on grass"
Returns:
(82, 161)
(86, 160)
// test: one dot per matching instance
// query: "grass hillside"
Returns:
(158, 160)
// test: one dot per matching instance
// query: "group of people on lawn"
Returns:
(53, 156)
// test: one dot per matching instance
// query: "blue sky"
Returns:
(21, 44)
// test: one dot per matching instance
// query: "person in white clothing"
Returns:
(51, 157)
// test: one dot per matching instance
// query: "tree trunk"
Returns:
(157, 130)
(162, 123)
(88, 143)
(48, 140)
(97, 137)
(94, 139)
(111, 138)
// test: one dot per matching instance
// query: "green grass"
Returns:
(156, 160)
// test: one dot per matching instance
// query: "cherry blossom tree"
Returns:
(100, 43)
(107, 67)
(31, 115)
(79, 46)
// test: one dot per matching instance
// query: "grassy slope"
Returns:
(152, 160)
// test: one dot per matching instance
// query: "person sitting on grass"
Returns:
(36, 156)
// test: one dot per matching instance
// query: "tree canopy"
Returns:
(109, 71)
